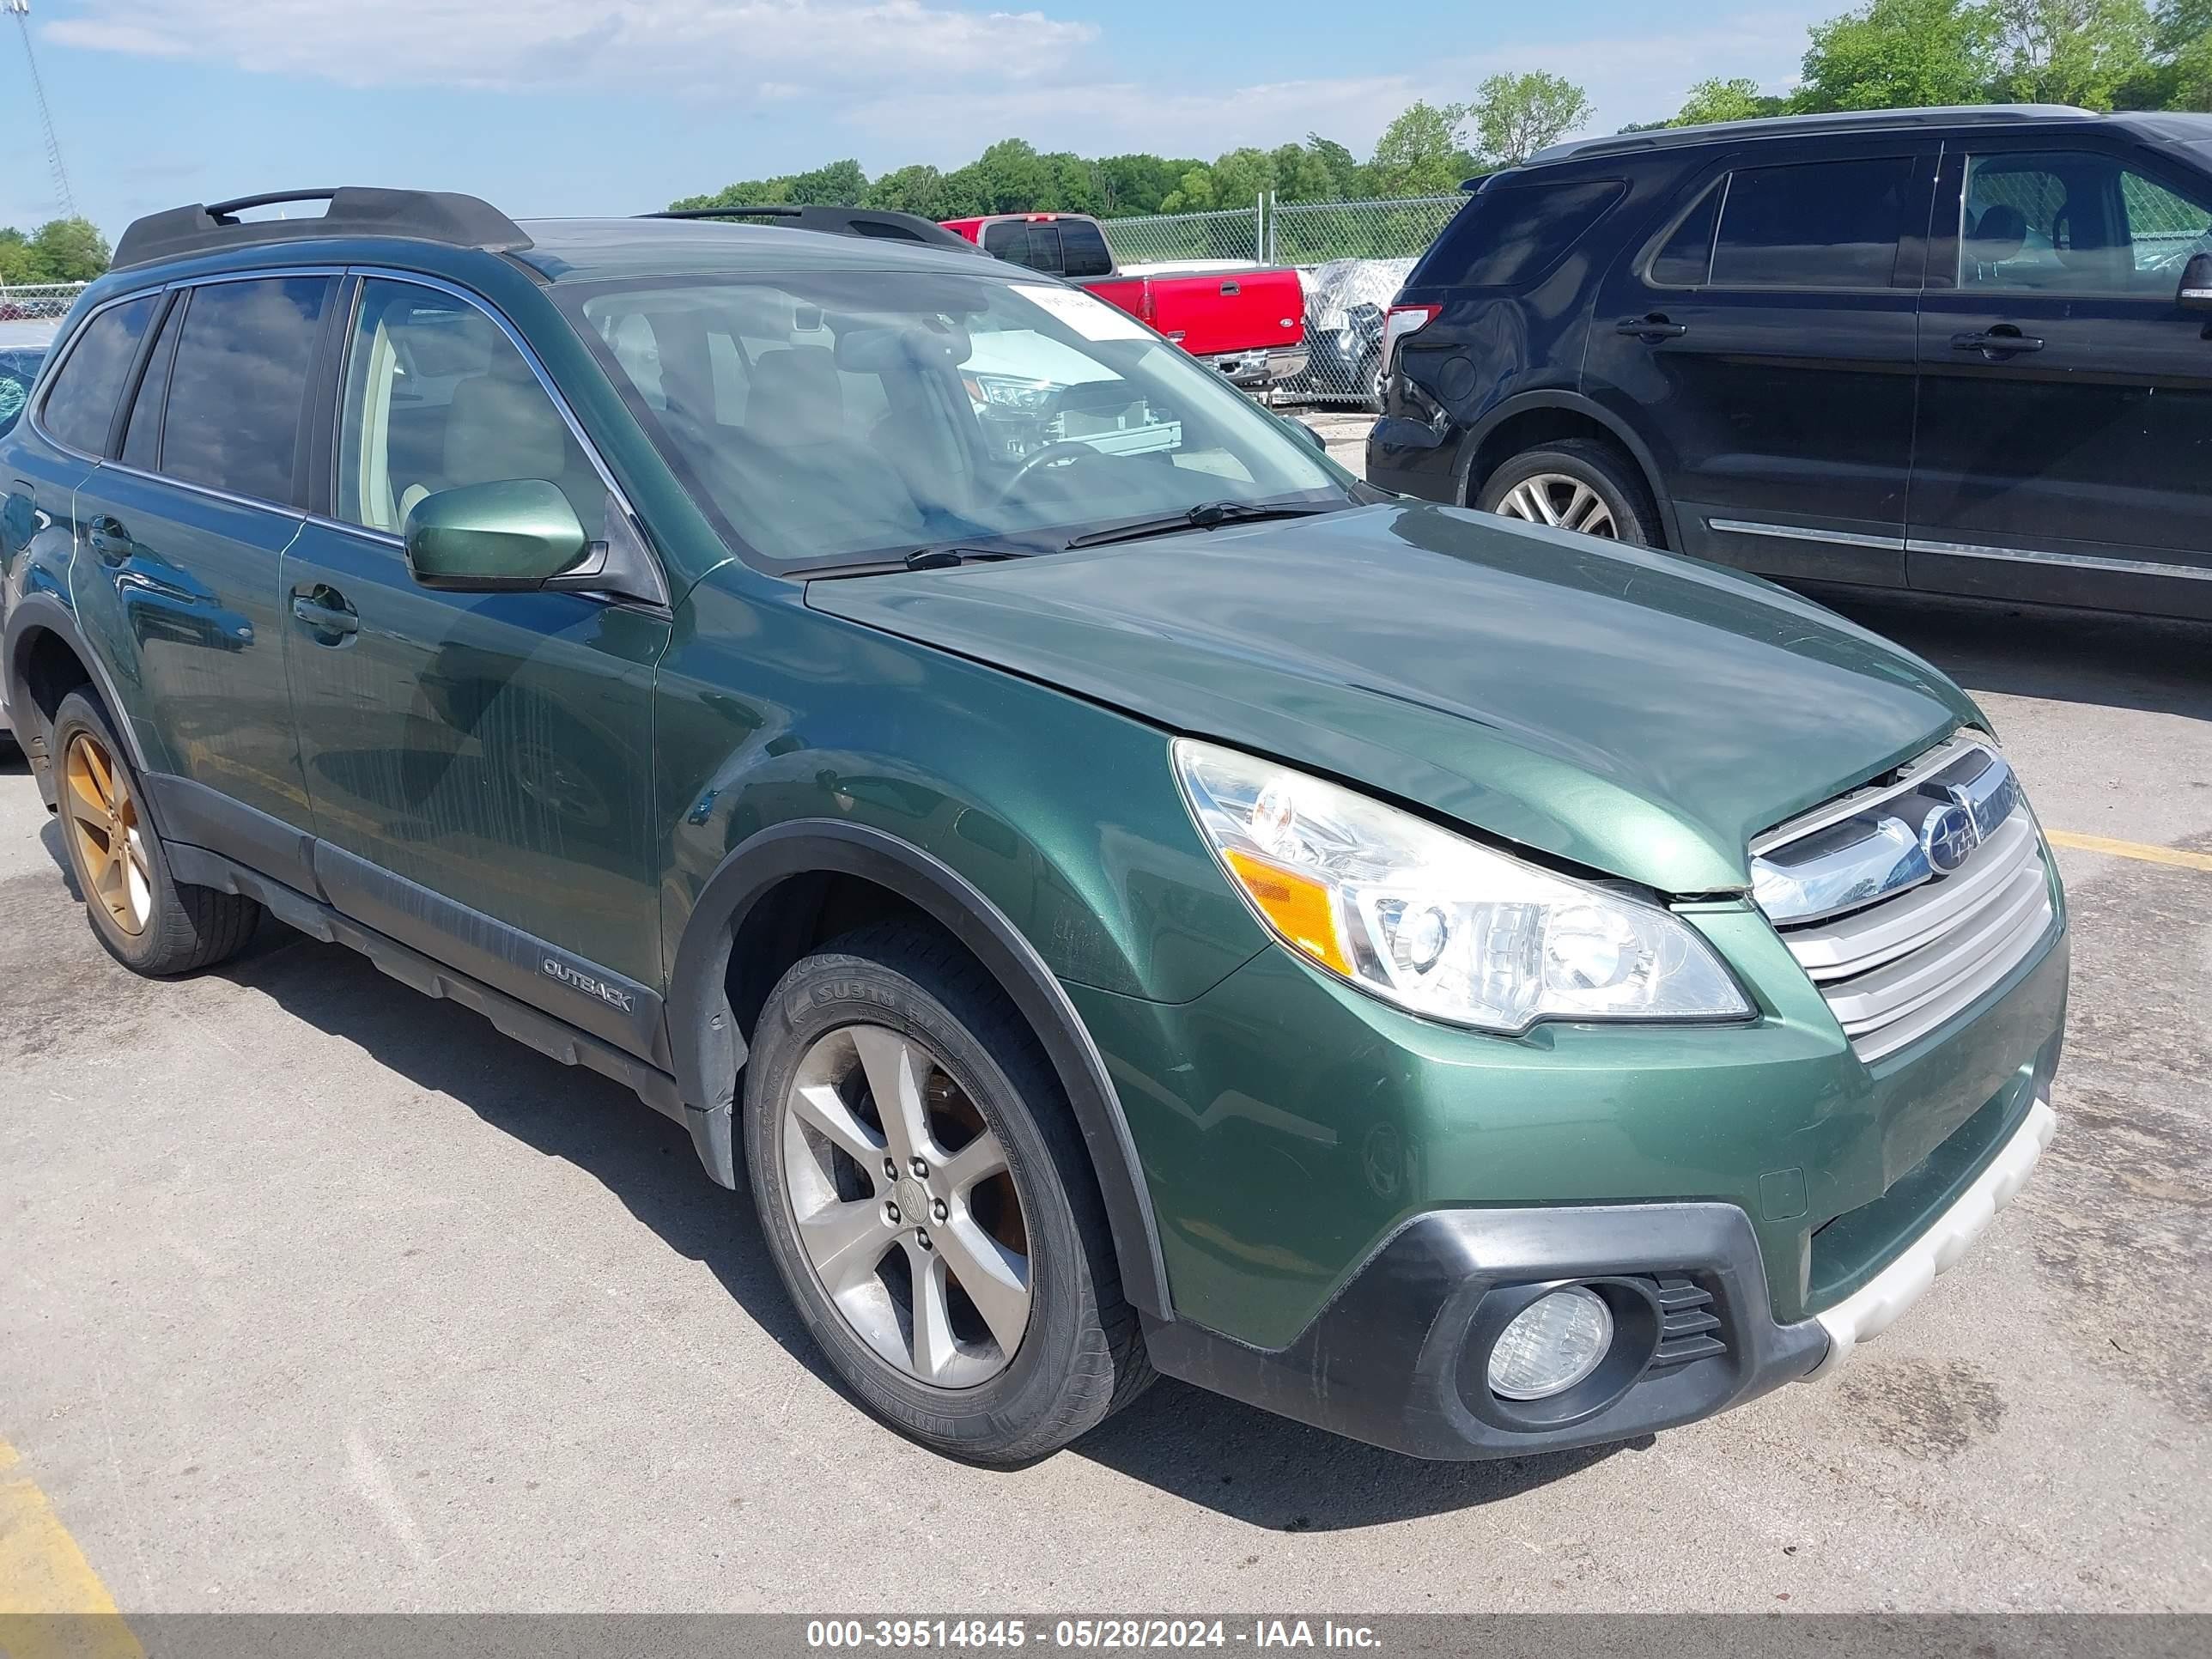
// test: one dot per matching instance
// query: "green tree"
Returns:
(59, 251)
(1015, 178)
(919, 189)
(841, 184)
(746, 192)
(2069, 52)
(1421, 153)
(1726, 100)
(1900, 53)
(1516, 115)
(1348, 180)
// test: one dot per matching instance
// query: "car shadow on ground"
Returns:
(2062, 656)
(1225, 1457)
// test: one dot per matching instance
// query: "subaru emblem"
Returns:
(1948, 837)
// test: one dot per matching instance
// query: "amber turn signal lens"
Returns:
(1299, 908)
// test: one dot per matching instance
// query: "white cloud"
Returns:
(681, 47)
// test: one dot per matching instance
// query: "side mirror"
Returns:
(2196, 282)
(510, 536)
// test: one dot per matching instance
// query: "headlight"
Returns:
(1012, 391)
(1435, 923)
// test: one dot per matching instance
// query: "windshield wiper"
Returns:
(1205, 516)
(938, 556)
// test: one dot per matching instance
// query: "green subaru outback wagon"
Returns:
(1123, 895)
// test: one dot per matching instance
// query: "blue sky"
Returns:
(566, 106)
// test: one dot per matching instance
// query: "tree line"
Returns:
(59, 251)
(2100, 54)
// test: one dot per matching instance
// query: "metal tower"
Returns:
(21, 11)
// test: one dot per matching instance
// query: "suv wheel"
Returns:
(925, 1193)
(147, 919)
(1576, 483)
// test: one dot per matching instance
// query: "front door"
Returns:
(1761, 344)
(479, 763)
(2066, 395)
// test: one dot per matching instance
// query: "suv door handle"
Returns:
(107, 538)
(1651, 329)
(2001, 341)
(325, 611)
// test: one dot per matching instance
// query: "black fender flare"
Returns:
(43, 611)
(1573, 402)
(708, 1050)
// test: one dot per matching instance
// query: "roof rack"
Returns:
(429, 215)
(1779, 126)
(880, 223)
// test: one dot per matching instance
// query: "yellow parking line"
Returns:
(2130, 849)
(52, 1605)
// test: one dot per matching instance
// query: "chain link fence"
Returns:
(41, 302)
(1352, 256)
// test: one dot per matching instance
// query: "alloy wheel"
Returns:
(103, 817)
(905, 1208)
(1554, 498)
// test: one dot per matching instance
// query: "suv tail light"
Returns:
(1400, 321)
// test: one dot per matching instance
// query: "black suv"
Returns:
(1962, 351)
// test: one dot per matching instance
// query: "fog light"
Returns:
(1552, 1344)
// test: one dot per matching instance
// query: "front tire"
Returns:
(144, 917)
(1576, 483)
(924, 1191)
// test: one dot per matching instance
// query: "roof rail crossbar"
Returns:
(428, 215)
(880, 223)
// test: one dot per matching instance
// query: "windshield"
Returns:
(827, 416)
(18, 368)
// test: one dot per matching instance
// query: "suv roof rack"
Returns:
(428, 215)
(880, 223)
(1776, 126)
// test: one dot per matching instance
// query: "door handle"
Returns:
(325, 611)
(1999, 342)
(1232, 289)
(1650, 330)
(108, 539)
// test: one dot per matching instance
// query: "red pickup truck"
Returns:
(1248, 321)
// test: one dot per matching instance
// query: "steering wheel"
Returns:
(1062, 452)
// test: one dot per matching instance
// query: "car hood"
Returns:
(1637, 714)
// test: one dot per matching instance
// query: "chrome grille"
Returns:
(1907, 901)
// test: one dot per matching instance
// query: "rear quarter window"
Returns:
(1514, 236)
(82, 405)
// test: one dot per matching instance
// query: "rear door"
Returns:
(479, 763)
(1761, 344)
(2066, 396)
(177, 567)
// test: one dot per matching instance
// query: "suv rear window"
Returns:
(82, 406)
(1511, 237)
(1819, 224)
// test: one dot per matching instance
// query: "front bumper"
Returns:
(1400, 1358)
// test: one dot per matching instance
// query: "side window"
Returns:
(142, 434)
(1509, 238)
(82, 405)
(1685, 259)
(1822, 224)
(1083, 250)
(436, 396)
(2074, 223)
(237, 386)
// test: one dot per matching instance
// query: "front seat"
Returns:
(795, 415)
(503, 426)
(1998, 235)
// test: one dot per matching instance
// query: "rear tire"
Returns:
(1577, 484)
(142, 914)
(881, 1267)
